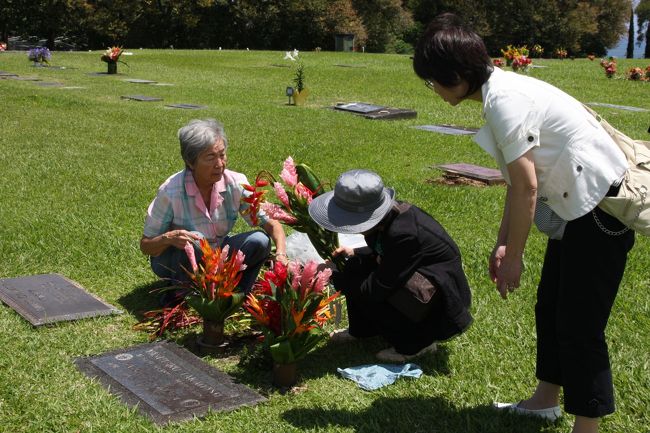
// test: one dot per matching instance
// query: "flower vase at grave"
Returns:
(285, 375)
(112, 67)
(299, 98)
(212, 338)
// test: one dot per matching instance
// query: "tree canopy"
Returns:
(378, 25)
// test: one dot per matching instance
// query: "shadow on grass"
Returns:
(255, 363)
(141, 299)
(412, 415)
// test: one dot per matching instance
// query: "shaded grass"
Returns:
(80, 166)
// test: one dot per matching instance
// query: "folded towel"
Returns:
(374, 376)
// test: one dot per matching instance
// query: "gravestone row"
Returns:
(164, 381)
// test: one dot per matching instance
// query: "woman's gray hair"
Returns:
(199, 135)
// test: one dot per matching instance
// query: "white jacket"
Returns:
(576, 161)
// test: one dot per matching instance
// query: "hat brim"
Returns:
(328, 215)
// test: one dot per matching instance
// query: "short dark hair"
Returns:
(449, 52)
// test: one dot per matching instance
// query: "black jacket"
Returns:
(411, 240)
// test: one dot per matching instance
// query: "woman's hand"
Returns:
(344, 251)
(178, 238)
(505, 270)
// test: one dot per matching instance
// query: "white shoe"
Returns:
(342, 336)
(391, 355)
(549, 413)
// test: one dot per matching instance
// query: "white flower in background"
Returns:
(288, 56)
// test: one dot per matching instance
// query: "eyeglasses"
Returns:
(429, 84)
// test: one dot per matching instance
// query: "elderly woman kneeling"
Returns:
(203, 201)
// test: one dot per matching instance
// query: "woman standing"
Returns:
(559, 163)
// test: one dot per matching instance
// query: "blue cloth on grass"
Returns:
(374, 376)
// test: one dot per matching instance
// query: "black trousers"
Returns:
(368, 318)
(579, 282)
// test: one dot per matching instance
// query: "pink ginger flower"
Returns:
(322, 279)
(307, 277)
(189, 250)
(295, 269)
(282, 194)
(239, 261)
(289, 174)
(276, 212)
(304, 192)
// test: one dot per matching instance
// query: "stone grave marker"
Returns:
(139, 81)
(49, 298)
(166, 382)
(448, 129)
(19, 78)
(376, 112)
(4, 74)
(342, 65)
(619, 107)
(48, 84)
(490, 176)
(142, 98)
(187, 106)
(279, 66)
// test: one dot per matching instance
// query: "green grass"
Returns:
(80, 166)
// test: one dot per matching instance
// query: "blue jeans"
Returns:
(255, 245)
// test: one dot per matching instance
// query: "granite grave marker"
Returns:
(49, 298)
(166, 382)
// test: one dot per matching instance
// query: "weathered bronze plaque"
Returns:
(167, 382)
(48, 84)
(187, 106)
(359, 107)
(139, 81)
(49, 298)
(488, 175)
(7, 74)
(142, 98)
(448, 129)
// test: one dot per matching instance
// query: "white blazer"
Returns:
(576, 161)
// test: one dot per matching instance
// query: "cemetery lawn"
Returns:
(80, 166)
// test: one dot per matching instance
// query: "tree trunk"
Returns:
(630, 37)
(646, 55)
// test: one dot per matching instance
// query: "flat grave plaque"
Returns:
(48, 84)
(7, 74)
(49, 298)
(142, 98)
(187, 106)
(620, 107)
(342, 65)
(139, 81)
(166, 382)
(359, 107)
(376, 112)
(490, 176)
(16, 77)
(448, 129)
(280, 66)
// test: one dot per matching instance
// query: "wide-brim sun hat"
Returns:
(358, 202)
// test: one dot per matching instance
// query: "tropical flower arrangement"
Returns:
(298, 186)
(511, 52)
(561, 53)
(636, 74)
(3, 46)
(498, 63)
(291, 303)
(610, 66)
(521, 63)
(40, 55)
(112, 55)
(212, 292)
(537, 50)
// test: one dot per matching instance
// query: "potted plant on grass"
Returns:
(291, 303)
(213, 290)
(40, 56)
(300, 92)
(111, 56)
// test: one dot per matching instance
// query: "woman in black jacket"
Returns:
(407, 284)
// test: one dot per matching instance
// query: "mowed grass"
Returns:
(80, 166)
